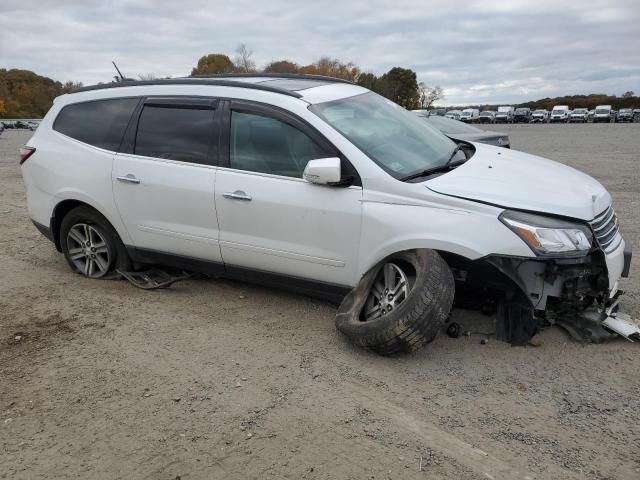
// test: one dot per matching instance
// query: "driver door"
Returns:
(270, 219)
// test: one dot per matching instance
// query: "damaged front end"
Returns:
(572, 281)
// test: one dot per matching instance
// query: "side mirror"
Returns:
(322, 171)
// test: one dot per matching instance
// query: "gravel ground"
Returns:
(216, 379)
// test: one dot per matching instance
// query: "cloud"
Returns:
(485, 51)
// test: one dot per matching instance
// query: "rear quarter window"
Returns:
(100, 123)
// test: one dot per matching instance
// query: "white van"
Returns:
(470, 115)
(505, 114)
(559, 114)
(603, 113)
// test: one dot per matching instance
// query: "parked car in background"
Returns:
(522, 115)
(579, 115)
(624, 115)
(487, 116)
(458, 130)
(604, 114)
(438, 111)
(636, 114)
(470, 115)
(540, 116)
(590, 115)
(453, 114)
(559, 114)
(505, 114)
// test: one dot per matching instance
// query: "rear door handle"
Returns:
(128, 179)
(237, 195)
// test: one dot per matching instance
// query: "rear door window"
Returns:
(176, 133)
(100, 123)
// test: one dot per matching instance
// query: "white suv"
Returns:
(321, 186)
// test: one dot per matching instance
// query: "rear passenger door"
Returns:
(164, 179)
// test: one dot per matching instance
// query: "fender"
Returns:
(466, 233)
(107, 211)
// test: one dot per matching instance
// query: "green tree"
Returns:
(282, 66)
(212, 64)
(367, 80)
(401, 86)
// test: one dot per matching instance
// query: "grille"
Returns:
(605, 229)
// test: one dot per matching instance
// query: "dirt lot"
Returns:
(215, 379)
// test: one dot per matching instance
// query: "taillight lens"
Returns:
(26, 152)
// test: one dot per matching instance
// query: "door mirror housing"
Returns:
(323, 171)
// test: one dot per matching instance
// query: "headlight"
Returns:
(549, 236)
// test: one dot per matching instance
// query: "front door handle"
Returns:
(237, 195)
(128, 179)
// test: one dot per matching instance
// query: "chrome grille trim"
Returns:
(605, 230)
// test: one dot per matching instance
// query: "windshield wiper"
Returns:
(448, 165)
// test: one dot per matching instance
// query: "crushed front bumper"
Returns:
(559, 288)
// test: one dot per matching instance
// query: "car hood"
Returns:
(491, 138)
(513, 179)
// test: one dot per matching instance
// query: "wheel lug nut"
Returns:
(390, 297)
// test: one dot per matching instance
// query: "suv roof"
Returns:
(284, 83)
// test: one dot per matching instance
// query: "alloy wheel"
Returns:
(390, 288)
(88, 250)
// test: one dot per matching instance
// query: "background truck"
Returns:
(505, 114)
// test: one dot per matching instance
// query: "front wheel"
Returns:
(91, 245)
(400, 304)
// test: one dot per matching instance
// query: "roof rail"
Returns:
(300, 76)
(194, 81)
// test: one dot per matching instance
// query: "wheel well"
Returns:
(59, 213)
(481, 273)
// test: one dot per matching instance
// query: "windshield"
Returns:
(602, 110)
(625, 110)
(486, 114)
(558, 112)
(394, 138)
(539, 112)
(580, 110)
(522, 110)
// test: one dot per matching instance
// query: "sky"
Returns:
(490, 51)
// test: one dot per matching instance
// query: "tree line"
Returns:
(398, 84)
(24, 94)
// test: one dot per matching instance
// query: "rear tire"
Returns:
(410, 324)
(91, 245)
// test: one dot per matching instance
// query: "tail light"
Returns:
(26, 152)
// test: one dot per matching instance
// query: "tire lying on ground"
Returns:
(400, 304)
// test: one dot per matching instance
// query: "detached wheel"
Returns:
(91, 245)
(400, 304)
